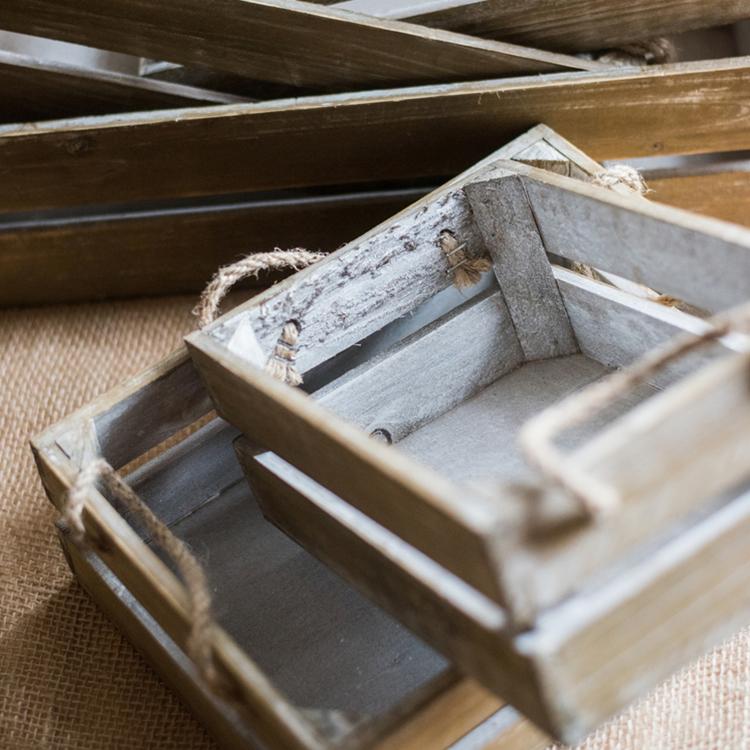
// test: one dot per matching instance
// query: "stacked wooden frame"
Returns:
(456, 568)
(215, 183)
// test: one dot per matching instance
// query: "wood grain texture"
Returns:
(723, 194)
(426, 132)
(282, 41)
(155, 646)
(508, 227)
(159, 591)
(462, 624)
(612, 645)
(634, 326)
(172, 251)
(565, 25)
(32, 89)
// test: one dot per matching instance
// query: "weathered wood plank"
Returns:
(508, 227)
(32, 89)
(283, 41)
(158, 590)
(565, 25)
(385, 274)
(723, 194)
(172, 251)
(694, 258)
(345, 139)
(164, 656)
(611, 645)
(462, 623)
(690, 443)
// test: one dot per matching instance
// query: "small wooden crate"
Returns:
(572, 624)
(312, 663)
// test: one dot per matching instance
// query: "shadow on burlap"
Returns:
(69, 680)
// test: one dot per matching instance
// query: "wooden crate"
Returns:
(311, 662)
(572, 623)
(158, 430)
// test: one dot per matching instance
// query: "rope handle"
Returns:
(537, 435)
(199, 643)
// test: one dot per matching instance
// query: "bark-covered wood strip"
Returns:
(564, 25)
(283, 41)
(346, 139)
(173, 251)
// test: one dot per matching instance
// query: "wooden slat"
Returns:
(723, 194)
(689, 443)
(172, 251)
(160, 651)
(634, 326)
(508, 227)
(603, 647)
(283, 41)
(699, 260)
(345, 139)
(666, 610)
(465, 626)
(565, 25)
(32, 89)
(159, 591)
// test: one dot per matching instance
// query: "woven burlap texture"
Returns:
(69, 680)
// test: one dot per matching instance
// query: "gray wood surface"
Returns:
(616, 328)
(702, 261)
(320, 642)
(430, 372)
(508, 227)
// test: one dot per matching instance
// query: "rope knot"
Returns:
(282, 364)
(466, 271)
(621, 174)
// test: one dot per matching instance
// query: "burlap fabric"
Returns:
(69, 680)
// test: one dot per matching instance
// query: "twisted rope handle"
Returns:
(199, 644)
(537, 435)
(207, 309)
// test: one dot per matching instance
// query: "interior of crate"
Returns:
(455, 390)
(342, 661)
(476, 440)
